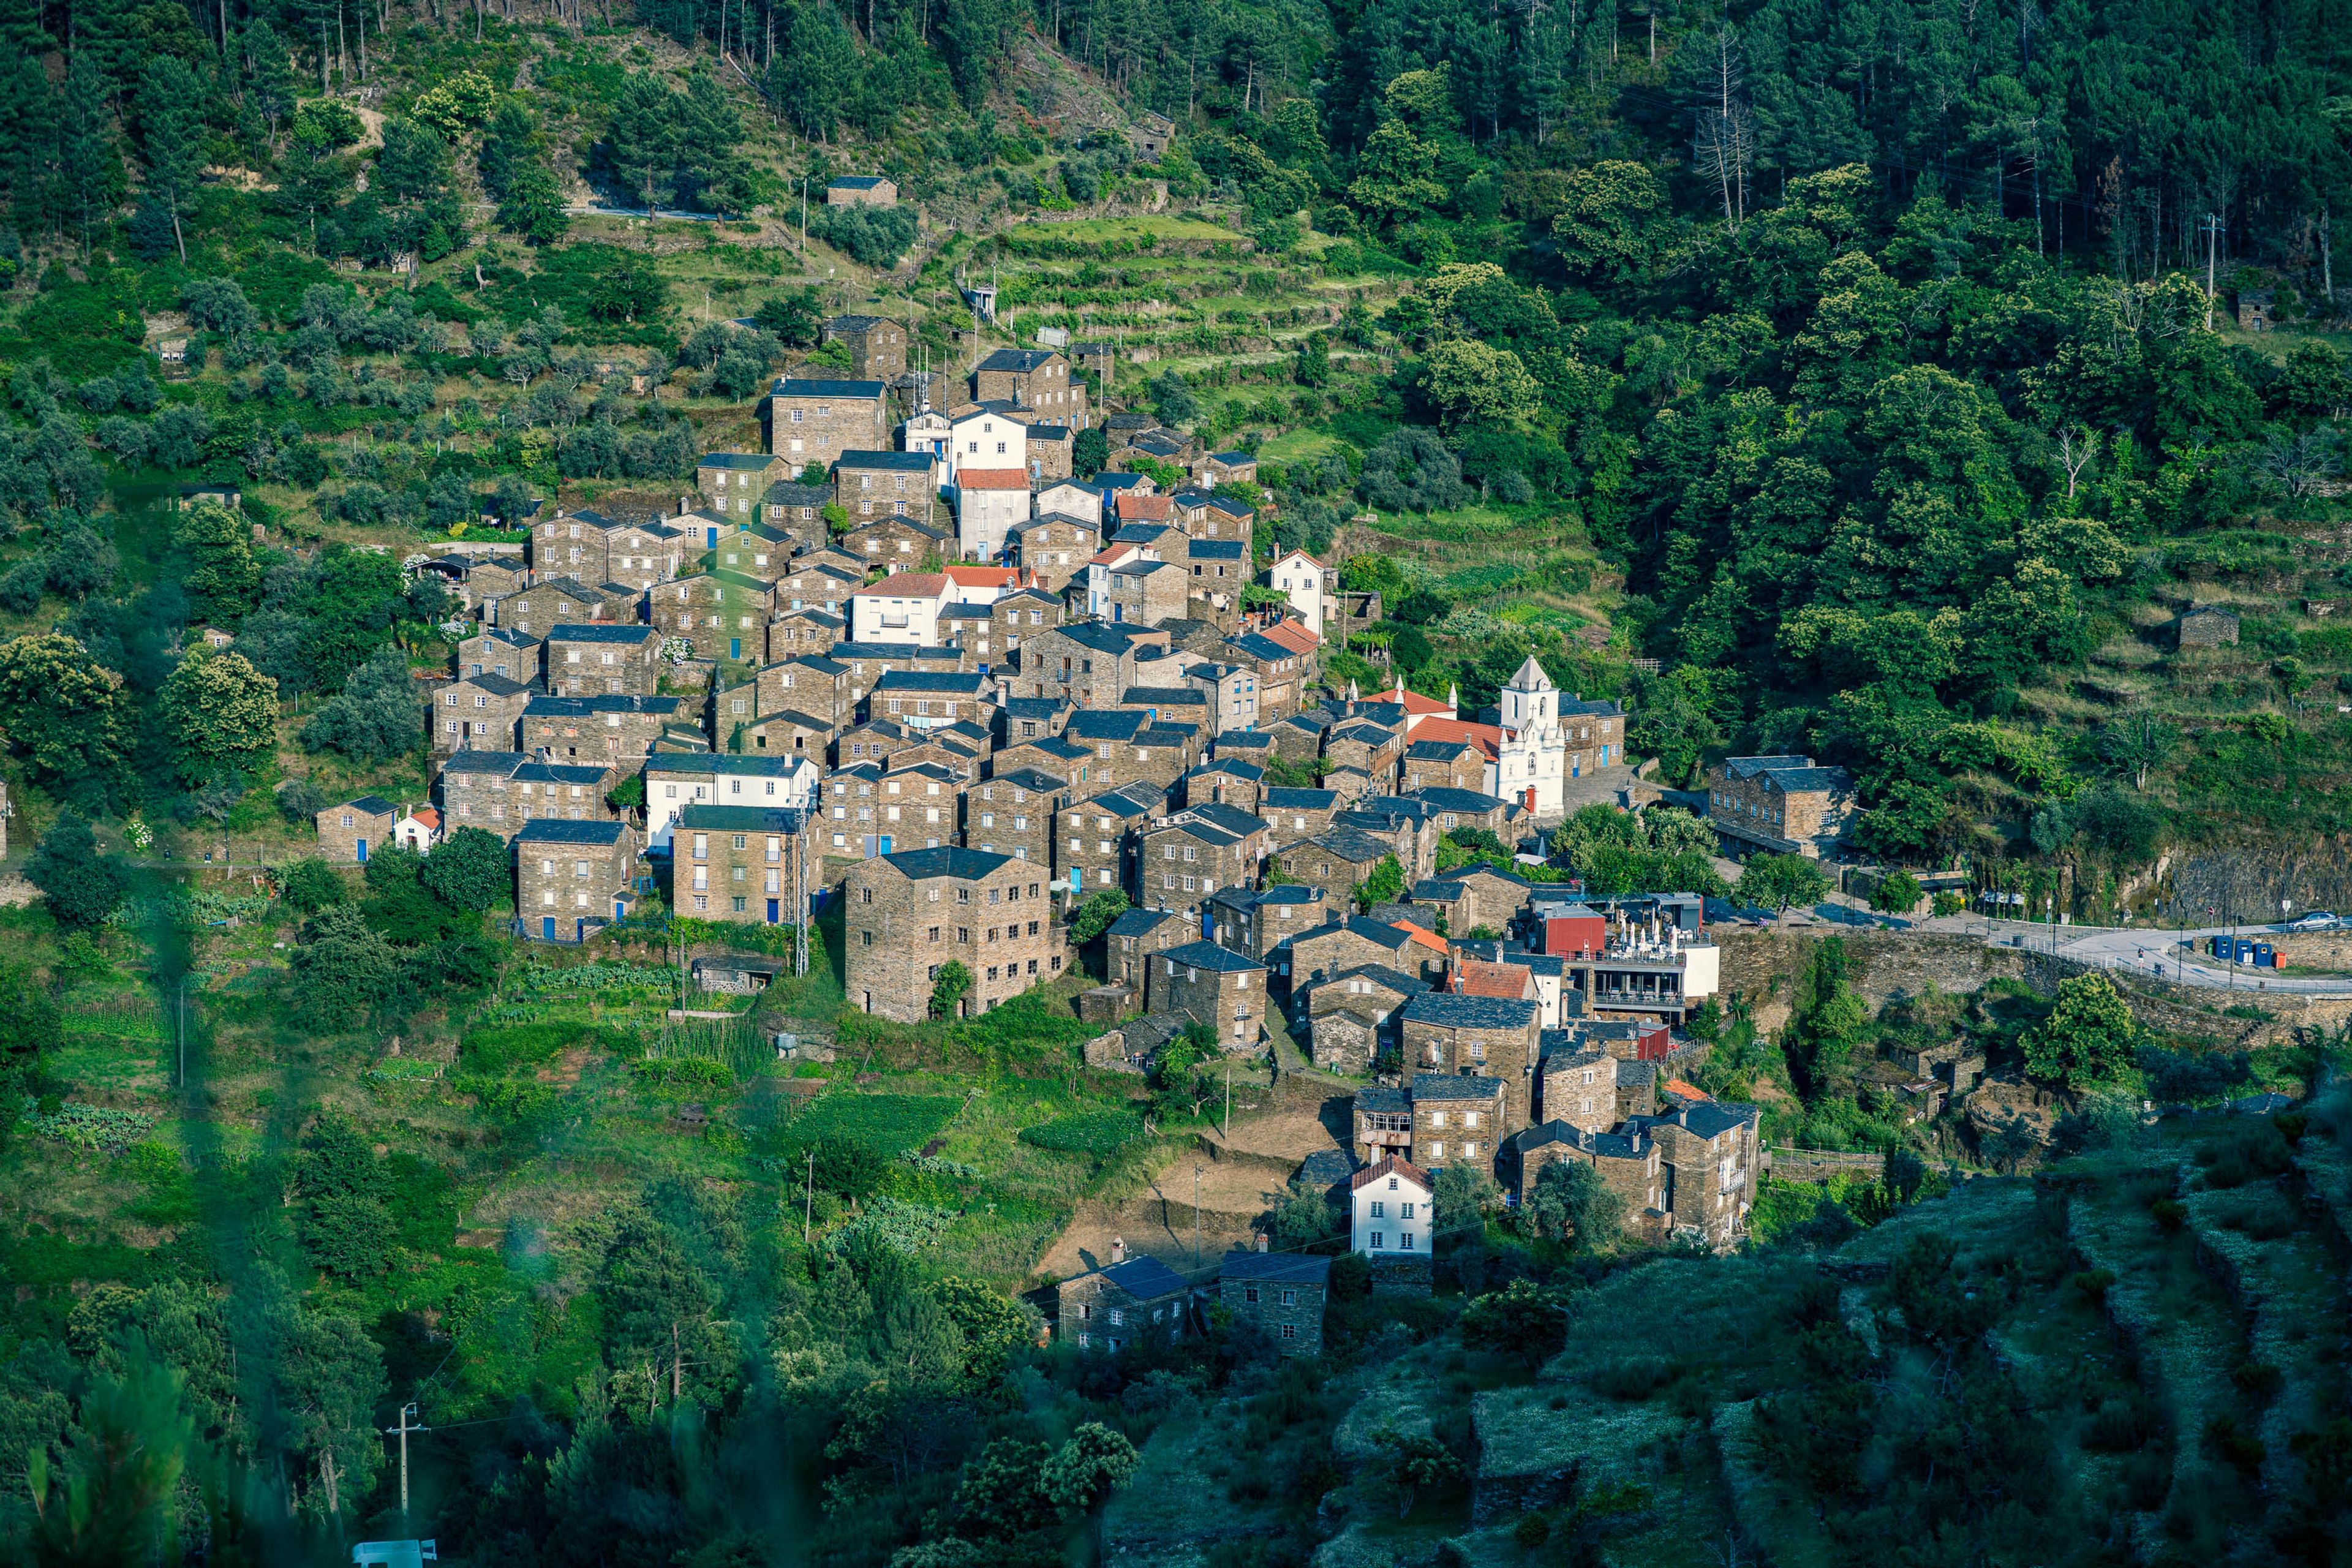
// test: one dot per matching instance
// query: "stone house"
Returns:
(474, 789)
(923, 699)
(875, 741)
(918, 806)
(1186, 858)
(1298, 813)
(491, 651)
(1451, 808)
(1579, 1087)
(1020, 718)
(1335, 861)
(1630, 1164)
(1781, 804)
(815, 421)
(1448, 1032)
(1324, 950)
(861, 191)
(1213, 985)
(573, 544)
(2207, 626)
(350, 833)
(480, 711)
(571, 875)
(798, 509)
(1282, 1293)
(1367, 747)
(1458, 1119)
(1230, 467)
(585, 659)
(1036, 379)
(1442, 764)
(908, 913)
(1349, 1016)
(731, 483)
(1087, 664)
(876, 344)
(742, 864)
(1280, 671)
(1121, 1303)
(724, 614)
(1144, 592)
(1094, 836)
(611, 730)
(1055, 546)
(795, 634)
(1053, 452)
(1221, 570)
(639, 554)
(1078, 499)
(810, 584)
(1225, 781)
(1134, 938)
(1711, 1156)
(754, 549)
(868, 486)
(1012, 813)
(560, 600)
(810, 684)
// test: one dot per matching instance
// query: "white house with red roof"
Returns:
(1392, 1215)
(903, 607)
(988, 503)
(419, 829)
(1299, 577)
(1419, 710)
(969, 585)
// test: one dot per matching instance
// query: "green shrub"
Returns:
(684, 1072)
(507, 1046)
(887, 1124)
(1099, 1133)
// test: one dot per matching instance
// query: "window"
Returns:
(1249, 1293)
(1380, 1209)
(1378, 1242)
(1404, 1242)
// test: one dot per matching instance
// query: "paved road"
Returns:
(2151, 952)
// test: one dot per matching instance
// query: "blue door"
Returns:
(547, 927)
(363, 850)
(773, 906)
(620, 910)
(713, 537)
(734, 648)
(1077, 880)
(886, 844)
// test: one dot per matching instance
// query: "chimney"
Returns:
(1118, 1250)
(1261, 1241)
(683, 505)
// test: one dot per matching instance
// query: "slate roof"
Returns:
(969, 865)
(1451, 1010)
(789, 387)
(1032, 780)
(1325, 1168)
(374, 804)
(484, 761)
(744, 819)
(554, 830)
(601, 631)
(1278, 1268)
(1104, 724)
(735, 461)
(1216, 549)
(1145, 1278)
(606, 702)
(886, 462)
(1452, 1086)
(1713, 1118)
(1352, 844)
(1021, 360)
(1607, 1145)
(1210, 956)
(855, 182)
(1379, 1098)
(1297, 799)
(1396, 980)
(750, 765)
(1141, 923)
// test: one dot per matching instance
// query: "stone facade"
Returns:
(1446, 1032)
(568, 874)
(610, 730)
(1781, 804)
(1458, 1119)
(350, 833)
(1217, 986)
(1054, 546)
(1034, 379)
(817, 421)
(558, 601)
(907, 914)
(591, 660)
(478, 712)
(724, 614)
(876, 345)
(742, 864)
(1129, 1300)
(1283, 1294)
(1012, 813)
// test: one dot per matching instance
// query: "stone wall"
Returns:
(1765, 966)
(1820, 1164)
(2249, 883)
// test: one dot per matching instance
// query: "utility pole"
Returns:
(808, 1196)
(1196, 1217)
(1227, 1132)
(2212, 227)
(402, 1431)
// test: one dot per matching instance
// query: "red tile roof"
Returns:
(1133, 508)
(1487, 738)
(992, 479)
(906, 586)
(1392, 1166)
(1293, 636)
(1476, 977)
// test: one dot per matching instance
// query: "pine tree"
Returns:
(710, 172)
(89, 164)
(172, 140)
(640, 136)
(268, 73)
(27, 143)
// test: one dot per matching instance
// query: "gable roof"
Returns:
(969, 865)
(1392, 1166)
(791, 387)
(1454, 1010)
(906, 586)
(554, 830)
(888, 462)
(1452, 1086)
(992, 479)
(603, 631)
(1278, 1268)
(1145, 1278)
(1021, 360)
(1210, 956)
